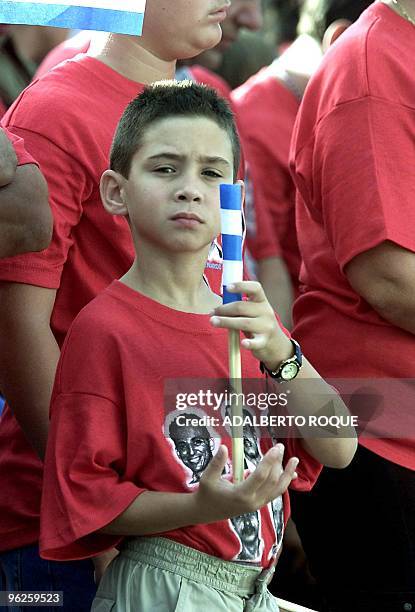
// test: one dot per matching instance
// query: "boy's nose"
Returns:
(188, 194)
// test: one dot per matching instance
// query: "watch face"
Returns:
(289, 371)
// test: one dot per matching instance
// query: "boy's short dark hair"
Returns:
(166, 99)
(317, 15)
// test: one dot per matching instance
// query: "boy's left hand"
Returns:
(256, 319)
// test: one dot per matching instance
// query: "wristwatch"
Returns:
(289, 368)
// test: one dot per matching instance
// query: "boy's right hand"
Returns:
(217, 498)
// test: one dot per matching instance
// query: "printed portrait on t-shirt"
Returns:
(194, 444)
(247, 529)
(252, 450)
(276, 509)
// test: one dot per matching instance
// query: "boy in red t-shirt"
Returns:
(121, 463)
(67, 120)
(25, 219)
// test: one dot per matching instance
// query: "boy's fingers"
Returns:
(216, 464)
(239, 309)
(287, 476)
(259, 477)
(245, 324)
(257, 343)
(252, 289)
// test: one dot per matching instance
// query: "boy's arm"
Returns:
(215, 499)
(25, 215)
(28, 357)
(269, 344)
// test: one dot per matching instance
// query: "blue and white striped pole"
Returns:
(232, 246)
(118, 16)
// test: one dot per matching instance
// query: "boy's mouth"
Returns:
(187, 219)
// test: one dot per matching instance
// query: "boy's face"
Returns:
(172, 193)
(179, 29)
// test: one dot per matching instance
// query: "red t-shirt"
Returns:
(353, 150)
(22, 155)
(111, 434)
(67, 120)
(266, 112)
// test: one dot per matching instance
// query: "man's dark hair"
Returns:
(317, 15)
(166, 99)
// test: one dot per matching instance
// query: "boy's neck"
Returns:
(175, 281)
(127, 56)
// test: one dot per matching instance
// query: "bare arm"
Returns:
(269, 344)
(276, 281)
(8, 160)
(25, 216)
(28, 357)
(215, 499)
(385, 277)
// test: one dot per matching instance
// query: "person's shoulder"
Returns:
(211, 79)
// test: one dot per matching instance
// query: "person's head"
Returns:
(193, 444)
(179, 29)
(175, 143)
(327, 19)
(247, 527)
(245, 14)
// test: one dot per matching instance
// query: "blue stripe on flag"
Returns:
(75, 17)
(230, 297)
(232, 247)
(230, 197)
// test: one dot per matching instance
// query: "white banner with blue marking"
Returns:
(118, 16)
(233, 233)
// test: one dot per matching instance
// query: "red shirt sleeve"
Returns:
(83, 486)
(365, 187)
(23, 157)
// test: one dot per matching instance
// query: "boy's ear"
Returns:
(242, 184)
(112, 193)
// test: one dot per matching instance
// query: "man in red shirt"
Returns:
(25, 219)
(267, 105)
(352, 160)
(68, 119)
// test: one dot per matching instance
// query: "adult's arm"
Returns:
(28, 357)
(385, 277)
(275, 279)
(25, 215)
(8, 160)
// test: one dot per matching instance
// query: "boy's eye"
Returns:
(212, 173)
(165, 169)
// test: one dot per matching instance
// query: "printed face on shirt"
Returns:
(172, 193)
(246, 527)
(182, 29)
(194, 447)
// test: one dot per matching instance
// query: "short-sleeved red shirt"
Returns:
(266, 111)
(113, 432)
(352, 155)
(22, 155)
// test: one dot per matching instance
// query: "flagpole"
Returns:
(232, 240)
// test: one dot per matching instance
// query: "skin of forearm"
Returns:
(274, 277)
(155, 512)
(395, 302)
(25, 216)
(8, 160)
(28, 359)
(309, 396)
